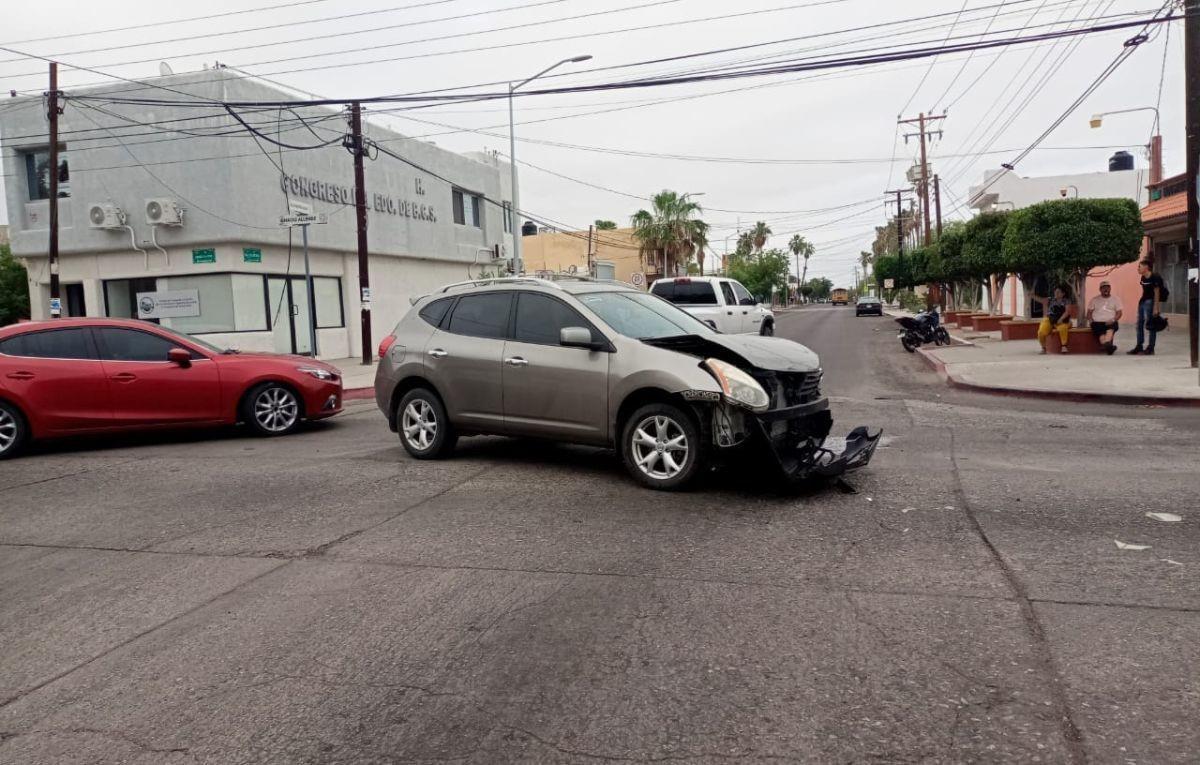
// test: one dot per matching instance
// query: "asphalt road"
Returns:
(324, 599)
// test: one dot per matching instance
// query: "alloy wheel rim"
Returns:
(276, 409)
(8, 430)
(660, 447)
(419, 424)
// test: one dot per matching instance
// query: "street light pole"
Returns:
(512, 159)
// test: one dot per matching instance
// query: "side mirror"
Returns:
(748, 301)
(711, 323)
(577, 337)
(179, 356)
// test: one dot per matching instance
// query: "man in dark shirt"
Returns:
(1148, 306)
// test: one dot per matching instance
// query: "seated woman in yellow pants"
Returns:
(1055, 317)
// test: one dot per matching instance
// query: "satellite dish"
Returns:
(165, 69)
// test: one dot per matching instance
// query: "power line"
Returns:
(170, 22)
(281, 25)
(933, 61)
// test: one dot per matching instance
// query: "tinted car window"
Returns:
(436, 311)
(53, 344)
(484, 315)
(727, 291)
(118, 344)
(743, 295)
(540, 318)
(686, 292)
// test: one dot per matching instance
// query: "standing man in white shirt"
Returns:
(1104, 312)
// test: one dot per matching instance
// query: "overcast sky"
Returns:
(998, 99)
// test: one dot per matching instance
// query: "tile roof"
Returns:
(1167, 207)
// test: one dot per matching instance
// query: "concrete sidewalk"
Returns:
(1016, 368)
(358, 380)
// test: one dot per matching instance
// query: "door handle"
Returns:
(123, 377)
(745, 312)
(20, 375)
(729, 313)
(438, 353)
(516, 361)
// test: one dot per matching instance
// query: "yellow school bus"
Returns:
(840, 296)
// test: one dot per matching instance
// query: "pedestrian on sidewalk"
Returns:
(1056, 317)
(1103, 313)
(1149, 317)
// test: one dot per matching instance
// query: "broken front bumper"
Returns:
(795, 438)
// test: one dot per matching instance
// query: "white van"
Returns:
(723, 303)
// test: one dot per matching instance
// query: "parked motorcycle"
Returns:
(923, 328)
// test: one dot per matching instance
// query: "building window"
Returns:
(467, 208)
(508, 218)
(327, 291)
(37, 173)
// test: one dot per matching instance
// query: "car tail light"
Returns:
(387, 343)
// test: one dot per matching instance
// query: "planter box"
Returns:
(1019, 329)
(963, 319)
(1080, 340)
(950, 317)
(988, 323)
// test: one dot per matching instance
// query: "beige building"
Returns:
(614, 252)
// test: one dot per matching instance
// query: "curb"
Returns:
(939, 366)
(358, 394)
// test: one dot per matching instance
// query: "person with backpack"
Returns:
(1149, 318)
(1056, 317)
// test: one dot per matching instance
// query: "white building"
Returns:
(433, 218)
(1000, 190)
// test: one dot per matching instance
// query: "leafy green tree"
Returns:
(822, 287)
(1066, 238)
(760, 234)
(982, 251)
(761, 272)
(799, 246)
(605, 225)
(14, 288)
(670, 232)
(745, 244)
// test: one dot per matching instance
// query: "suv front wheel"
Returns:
(423, 425)
(661, 447)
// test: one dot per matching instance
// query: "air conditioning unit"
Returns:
(163, 212)
(105, 215)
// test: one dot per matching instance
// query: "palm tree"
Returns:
(801, 246)
(671, 229)
(760, 233)
(745, 243)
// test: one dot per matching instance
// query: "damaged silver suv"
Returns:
(603, 363)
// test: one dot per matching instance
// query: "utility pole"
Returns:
(922, 120)
(1191, 67)
(937, 203)
(53, 110)
(360, 214)
(589, 250)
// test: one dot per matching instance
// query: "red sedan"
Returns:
(70, 376)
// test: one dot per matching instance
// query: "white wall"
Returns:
(1011, 191)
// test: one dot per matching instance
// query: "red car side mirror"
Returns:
(179, 356)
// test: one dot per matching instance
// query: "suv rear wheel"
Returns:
(661, 447)
(423, 426)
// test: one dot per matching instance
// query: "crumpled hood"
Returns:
(770, 353)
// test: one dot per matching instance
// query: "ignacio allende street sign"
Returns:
(302, 219)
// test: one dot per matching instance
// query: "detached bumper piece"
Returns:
(860, 447)
(801, 452)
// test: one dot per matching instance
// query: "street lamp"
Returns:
(515, 213)
(1155, 140)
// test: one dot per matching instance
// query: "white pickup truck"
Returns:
(723, 303)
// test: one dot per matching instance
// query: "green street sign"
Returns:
(251, 255)
(204, 256)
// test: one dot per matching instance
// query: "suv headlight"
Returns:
(738, 386)
(317, 372)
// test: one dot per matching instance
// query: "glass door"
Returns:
(289, 302)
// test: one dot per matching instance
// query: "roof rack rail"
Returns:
(536, 280)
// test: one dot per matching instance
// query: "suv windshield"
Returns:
(642, 316)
